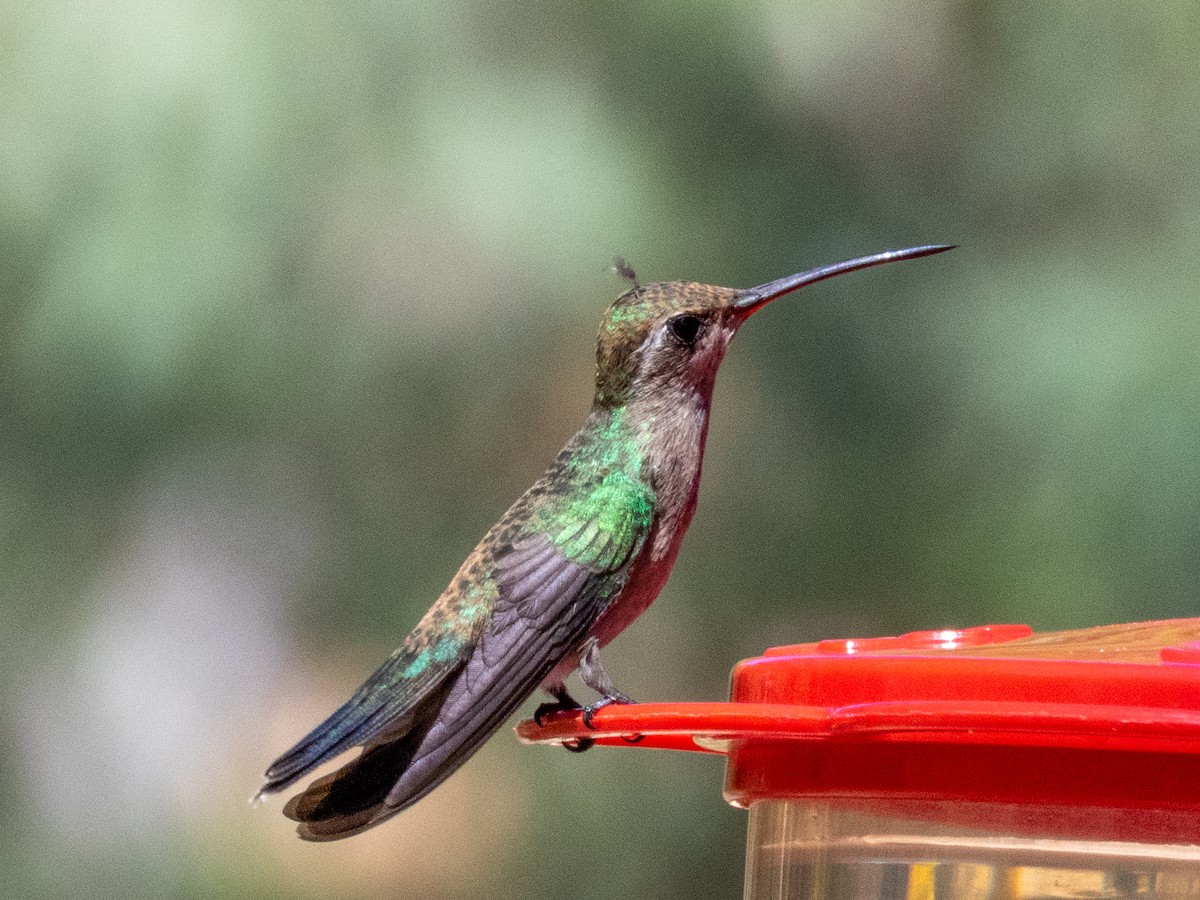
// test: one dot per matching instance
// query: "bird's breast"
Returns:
(675, 468)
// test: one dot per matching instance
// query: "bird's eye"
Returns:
(685, 328)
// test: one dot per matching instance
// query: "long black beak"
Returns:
(752, 298)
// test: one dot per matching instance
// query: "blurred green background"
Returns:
(295, 298)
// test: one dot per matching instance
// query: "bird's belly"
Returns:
(650, 572)
(640, 591)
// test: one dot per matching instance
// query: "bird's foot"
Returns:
(594, 676)
(589, 711)
(546, 710)
(563, 702)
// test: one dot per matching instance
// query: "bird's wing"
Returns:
(553, 579)
(553, 575)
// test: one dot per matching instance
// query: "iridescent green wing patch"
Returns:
(602, 522)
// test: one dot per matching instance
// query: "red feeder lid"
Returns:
(1099, 717)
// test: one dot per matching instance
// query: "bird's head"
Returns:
(670, 337)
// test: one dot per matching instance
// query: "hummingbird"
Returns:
(573, 561)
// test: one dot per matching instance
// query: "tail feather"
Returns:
(393, 774)
(352, 799)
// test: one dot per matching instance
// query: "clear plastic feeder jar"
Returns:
(986, 763)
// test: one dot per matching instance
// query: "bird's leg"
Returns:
(597, 679)
(563, 702)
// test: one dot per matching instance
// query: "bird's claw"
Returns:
(548, 709)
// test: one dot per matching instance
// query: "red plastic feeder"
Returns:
(986, 763)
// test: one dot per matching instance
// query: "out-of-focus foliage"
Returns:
(296, 297)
